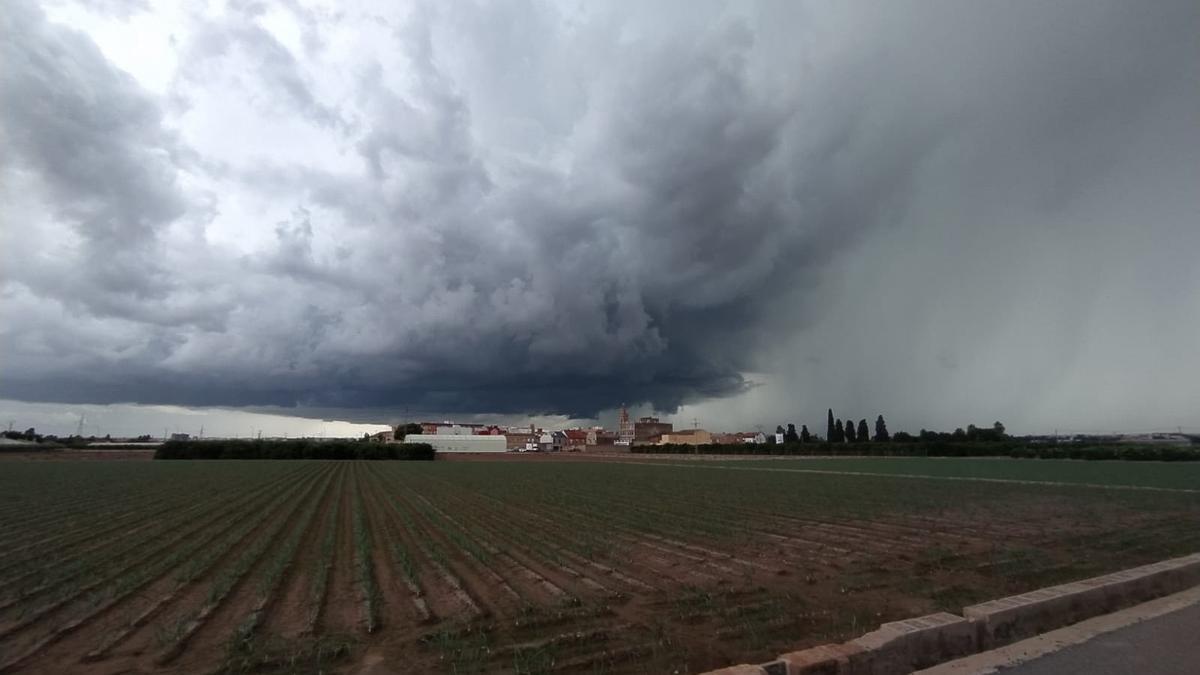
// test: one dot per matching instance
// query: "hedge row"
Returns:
(1160, 453)
(292, 449)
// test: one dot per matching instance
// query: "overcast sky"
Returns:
(738, 213)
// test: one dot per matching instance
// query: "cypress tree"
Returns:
(830, 434)
(881, 432)
(849, 431)
(805, 437)
(864, 434)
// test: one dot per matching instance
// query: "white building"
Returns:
(460, 442)
(551, 441)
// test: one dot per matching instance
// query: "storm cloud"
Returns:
(953, 211)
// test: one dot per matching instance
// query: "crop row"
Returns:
(187, 554)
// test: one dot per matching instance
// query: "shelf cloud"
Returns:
(943, 209)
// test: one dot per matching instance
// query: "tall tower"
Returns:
(624, 428)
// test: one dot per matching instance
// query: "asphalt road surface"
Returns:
(1165, 645)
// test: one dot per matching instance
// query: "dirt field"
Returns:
(520, 565)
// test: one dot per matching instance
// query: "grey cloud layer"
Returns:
(535, 211)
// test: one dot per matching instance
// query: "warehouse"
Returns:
(460, 442)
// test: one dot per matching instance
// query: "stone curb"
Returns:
(1006, 620)
(900, 647)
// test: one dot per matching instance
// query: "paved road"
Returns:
(1164, 645)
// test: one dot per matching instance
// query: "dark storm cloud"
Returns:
(611, 208)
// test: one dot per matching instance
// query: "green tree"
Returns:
(404, 430)
(850, 435)
(863, 434)
(830, 434)
(805, 437)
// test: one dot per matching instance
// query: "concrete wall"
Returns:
(460, 442)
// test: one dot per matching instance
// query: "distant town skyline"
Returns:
(134, 420)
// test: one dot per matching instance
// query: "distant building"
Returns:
(551, 441)
(650, 430)
(1154, 438)
(461, 442)
(521, 440)
(687, 437)
(601, 436)
(181, 437)
(453, 428)
(752, 437)
(384, 436)
(625, 432)
(576, 439)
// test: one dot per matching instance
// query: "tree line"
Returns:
(839, 431)
(836, 431)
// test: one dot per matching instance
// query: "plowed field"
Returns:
(515, 566)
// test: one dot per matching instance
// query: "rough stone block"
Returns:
(912, 644)
(822, 660)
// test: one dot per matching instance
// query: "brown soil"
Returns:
(341, 614)
(476, 582)
(289, 615)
